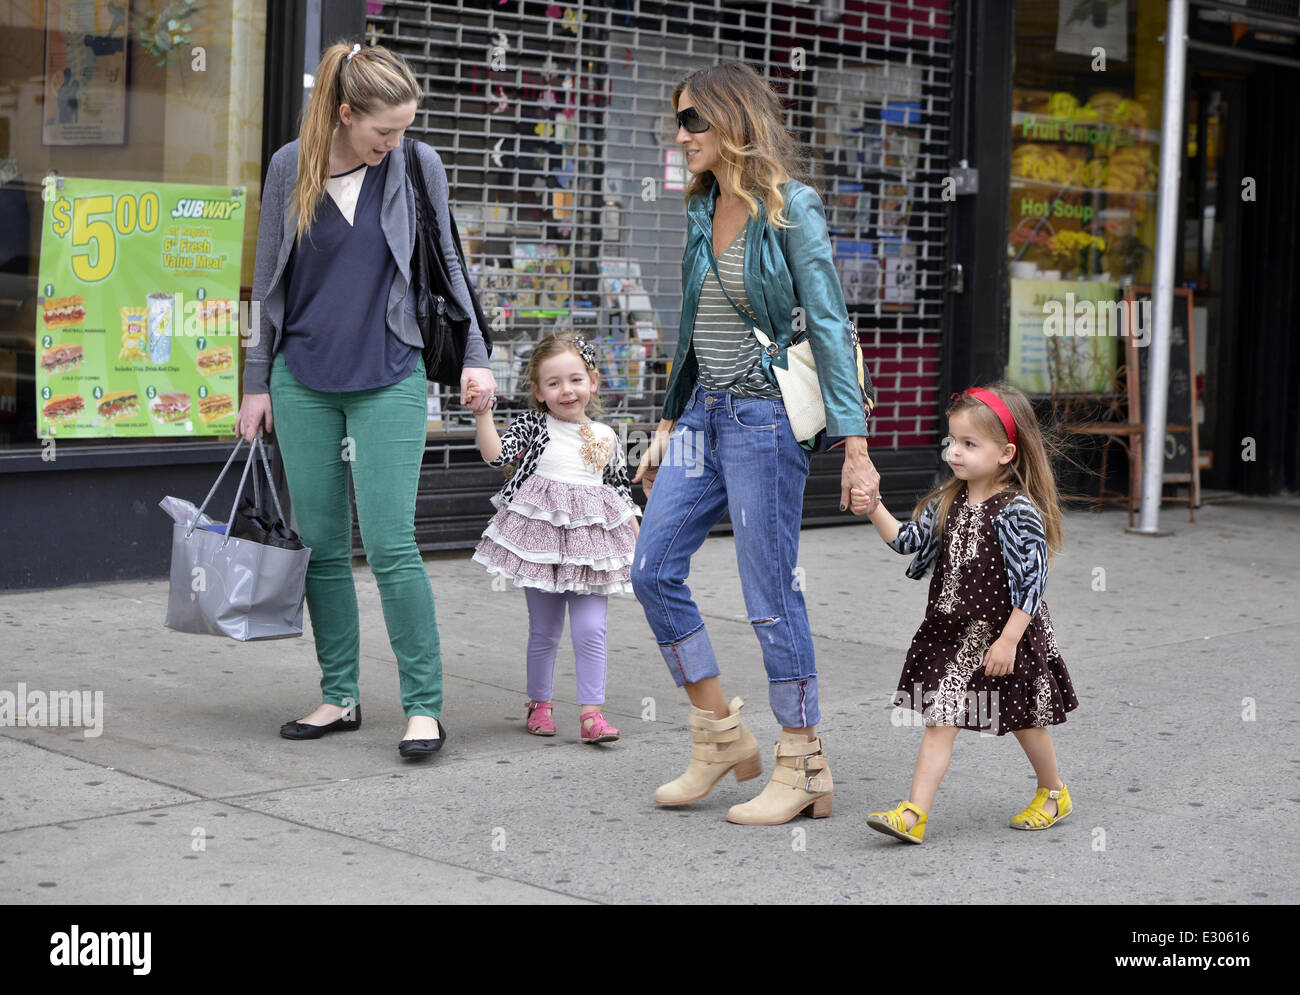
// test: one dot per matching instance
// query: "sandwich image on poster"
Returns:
(119, 405)
(63, 408)
(62, 312)
(216, 314)
(61, 359)
(214, 407)
(171, 406)
(218, 359)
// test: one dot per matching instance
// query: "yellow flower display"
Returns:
(1069, 244)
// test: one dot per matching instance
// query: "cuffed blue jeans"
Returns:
(736, 455)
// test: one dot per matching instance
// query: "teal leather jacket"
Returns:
(785, 268)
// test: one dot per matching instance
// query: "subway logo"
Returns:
(195, 207)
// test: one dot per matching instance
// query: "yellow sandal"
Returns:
(894, 823)
(1036, 817)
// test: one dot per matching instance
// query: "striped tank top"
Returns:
(729, 355)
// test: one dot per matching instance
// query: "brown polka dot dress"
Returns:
(993, 556)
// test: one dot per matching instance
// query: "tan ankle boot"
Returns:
(802, 777)
(718, 745)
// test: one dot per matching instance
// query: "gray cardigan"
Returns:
(275, 237)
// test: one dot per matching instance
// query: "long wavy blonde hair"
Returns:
(1030, 471)
(757, 150)
(372, 79)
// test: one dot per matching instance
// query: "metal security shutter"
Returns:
(554, 122)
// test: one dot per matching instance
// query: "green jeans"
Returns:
(380, 434)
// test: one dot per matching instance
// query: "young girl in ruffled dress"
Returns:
(566, 525)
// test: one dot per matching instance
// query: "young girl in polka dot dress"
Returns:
(985, 657)
(566, 525)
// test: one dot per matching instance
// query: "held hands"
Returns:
(472, 393)
(858, 473)
(648, 468)
(484, 386)
(863, 502)
(1000, 657)
(860, 502)
(480, 401)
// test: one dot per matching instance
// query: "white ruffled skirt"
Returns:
(557, 537)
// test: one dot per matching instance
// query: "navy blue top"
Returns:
(336, 280)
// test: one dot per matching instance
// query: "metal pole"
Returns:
(1171, 151)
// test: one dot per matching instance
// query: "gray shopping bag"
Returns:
(224, 585)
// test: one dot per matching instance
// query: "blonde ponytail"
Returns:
(372, 79)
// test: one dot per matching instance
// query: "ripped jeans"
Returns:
(736, 455)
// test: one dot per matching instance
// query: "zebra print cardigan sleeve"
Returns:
(1024, 551)
(918, 537)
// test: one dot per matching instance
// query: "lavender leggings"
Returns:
(546, 626)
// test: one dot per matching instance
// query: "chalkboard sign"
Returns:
(1181, 455)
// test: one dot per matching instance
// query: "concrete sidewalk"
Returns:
(189, 795)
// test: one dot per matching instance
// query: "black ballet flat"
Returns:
(301, 730)
(415, 748)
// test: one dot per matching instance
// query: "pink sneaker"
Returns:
(540, 722)
(594, 729)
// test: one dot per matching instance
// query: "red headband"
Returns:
(999, 408)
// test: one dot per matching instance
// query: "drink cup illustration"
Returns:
(161, 309)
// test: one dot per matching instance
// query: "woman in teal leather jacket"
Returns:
(757, 252)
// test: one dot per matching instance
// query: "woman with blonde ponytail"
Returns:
(338, 352)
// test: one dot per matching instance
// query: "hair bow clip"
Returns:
(586, 350)
(355, 49)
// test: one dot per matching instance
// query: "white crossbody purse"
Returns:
(795, 371)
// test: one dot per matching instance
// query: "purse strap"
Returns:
(270, 481)
(220, 477)
(426, 224)
(256, 448)
(423, 205)
(749, 322)
(770, 349)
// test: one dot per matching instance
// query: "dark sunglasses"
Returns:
(689, 118)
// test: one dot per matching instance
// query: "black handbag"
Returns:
(444, 326)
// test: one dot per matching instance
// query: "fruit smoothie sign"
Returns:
(137, 322)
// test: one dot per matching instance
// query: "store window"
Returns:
(126, 95)
(1085, 124)
(555, 125)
